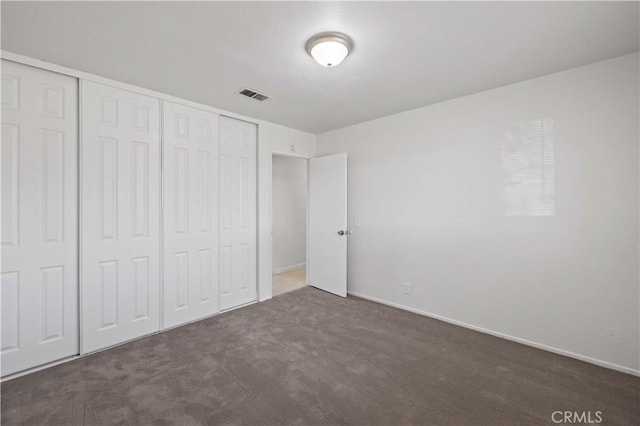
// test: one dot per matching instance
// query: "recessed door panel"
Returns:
(52, 297)
(10, 312)
(108, 296)
(10, 182)
(141, 276)
(238, 213)
(108, 187)
(140, 189)
(190, 178)
(121, 215)
(39, 281)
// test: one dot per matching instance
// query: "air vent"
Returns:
(253, 95)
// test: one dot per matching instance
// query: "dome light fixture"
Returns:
(329, 49)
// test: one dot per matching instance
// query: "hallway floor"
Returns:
(289, 281)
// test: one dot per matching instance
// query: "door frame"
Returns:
(281, 140)
(306, 224)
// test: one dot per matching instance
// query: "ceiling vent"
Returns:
(253, 95)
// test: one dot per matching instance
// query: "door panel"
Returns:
(237, 213)
(121, 215)
(190, 164)
(39, 281)
(327, 218)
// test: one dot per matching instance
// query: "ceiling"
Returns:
(406, 55)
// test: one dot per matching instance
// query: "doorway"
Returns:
(289, 199)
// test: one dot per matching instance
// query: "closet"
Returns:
(190, 175)
(39, 217)
(120, 229)
(143, 220)
(237, 213)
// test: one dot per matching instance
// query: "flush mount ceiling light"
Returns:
(329, 49)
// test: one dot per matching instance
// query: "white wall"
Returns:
(289, 213)
(452, 201)
(274, 138)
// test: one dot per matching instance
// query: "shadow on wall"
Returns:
(528, 164)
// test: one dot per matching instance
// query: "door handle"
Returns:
(341, 232)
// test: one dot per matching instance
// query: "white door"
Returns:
(190, 176)
(328, 223)
(237, 213)
(39, 217)
(120, 215)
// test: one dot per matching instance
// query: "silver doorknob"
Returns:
(341, 232)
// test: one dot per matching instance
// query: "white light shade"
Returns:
(329, 53)
(329, 49)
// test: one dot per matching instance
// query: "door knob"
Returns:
(341, 232)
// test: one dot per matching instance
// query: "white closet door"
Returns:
(190, 176)
(237, 213)
(120, 215)
(39, 217)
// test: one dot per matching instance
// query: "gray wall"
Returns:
(514, 210)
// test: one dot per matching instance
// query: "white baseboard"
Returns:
(289, 268)
(599, 362)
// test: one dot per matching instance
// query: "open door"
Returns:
(328, 232)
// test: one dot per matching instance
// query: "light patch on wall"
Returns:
(528, 164)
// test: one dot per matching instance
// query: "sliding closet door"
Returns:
(39, 217)
(190, 176)
(120, 215)
(237, 213)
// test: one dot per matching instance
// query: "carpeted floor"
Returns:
(308, 357)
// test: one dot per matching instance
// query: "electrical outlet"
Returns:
(406, 288)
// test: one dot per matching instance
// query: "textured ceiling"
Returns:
(406, 55)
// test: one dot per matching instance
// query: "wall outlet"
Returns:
(406, 288)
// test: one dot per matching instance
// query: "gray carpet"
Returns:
(308, 357)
